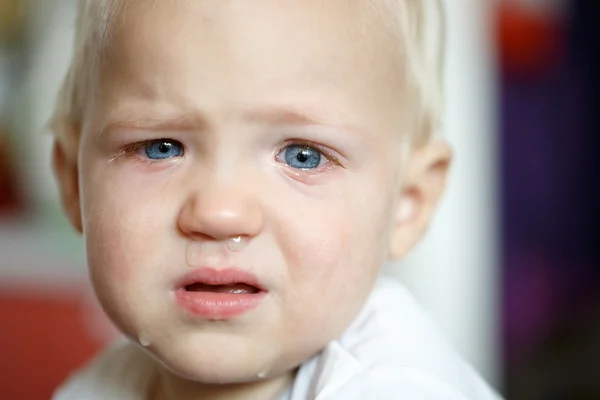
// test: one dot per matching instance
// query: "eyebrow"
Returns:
(303, 116)
(183, 122)
(197, 121)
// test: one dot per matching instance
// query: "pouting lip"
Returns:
(227, 276)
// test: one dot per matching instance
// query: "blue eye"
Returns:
(163, 149)
(302, 157)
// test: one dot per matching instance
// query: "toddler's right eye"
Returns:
(162, 149)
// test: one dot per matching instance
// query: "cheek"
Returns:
(126, 241)
(333, 248)
(120, 230)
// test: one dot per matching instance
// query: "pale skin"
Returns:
(233, 86)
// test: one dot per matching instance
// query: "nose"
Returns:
(218, 211)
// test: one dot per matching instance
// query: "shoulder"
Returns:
(120, 372)
(393, 348)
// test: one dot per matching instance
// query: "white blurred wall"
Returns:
(41, 249)
(51, 40)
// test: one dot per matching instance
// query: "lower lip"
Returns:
(217, 305)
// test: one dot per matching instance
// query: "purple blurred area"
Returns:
(550, 138)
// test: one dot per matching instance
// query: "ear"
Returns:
(423, 185)
(66, 173)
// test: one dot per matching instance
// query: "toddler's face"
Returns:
(277, 122)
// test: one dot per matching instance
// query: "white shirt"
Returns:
(391, 351)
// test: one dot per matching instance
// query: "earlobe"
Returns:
(66, 173)
(423, 186)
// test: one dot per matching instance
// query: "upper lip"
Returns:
(227, 276)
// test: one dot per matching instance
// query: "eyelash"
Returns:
(131, 151)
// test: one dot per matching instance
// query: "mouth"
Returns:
(219, 294)
(230, 280)
(232, 288)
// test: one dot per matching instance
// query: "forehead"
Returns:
(343, 54)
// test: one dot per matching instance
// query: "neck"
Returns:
(171, 387)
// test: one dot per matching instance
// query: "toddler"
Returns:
(240, 170)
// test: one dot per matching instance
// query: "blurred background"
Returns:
(510, 270)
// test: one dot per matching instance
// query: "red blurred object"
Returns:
(42, 341)
(530, 39)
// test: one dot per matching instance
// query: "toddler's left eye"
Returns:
(301, 157)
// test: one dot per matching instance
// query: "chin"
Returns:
(215, 360)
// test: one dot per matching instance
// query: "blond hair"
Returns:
(421, 25)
